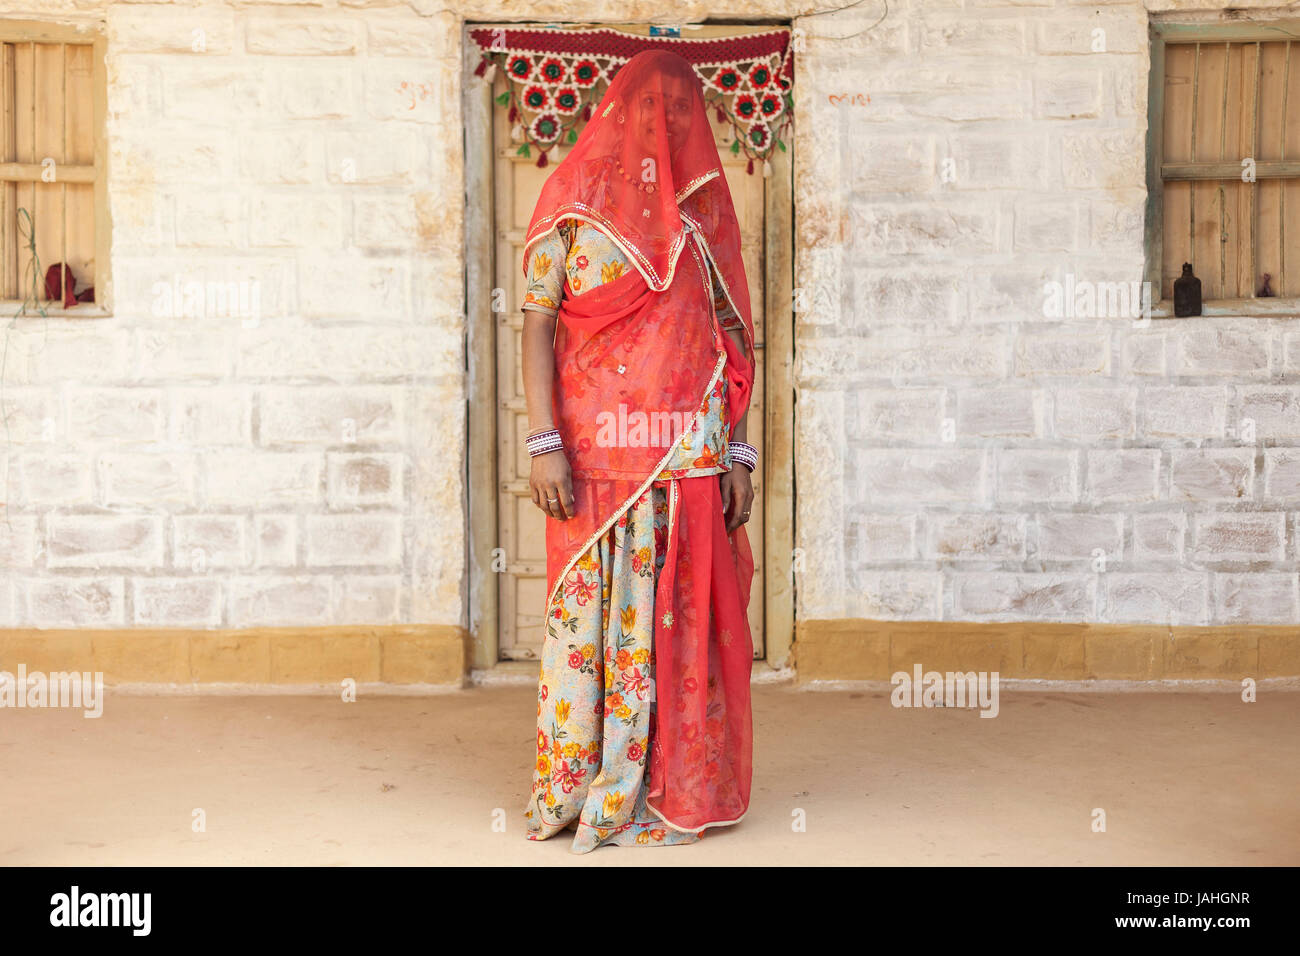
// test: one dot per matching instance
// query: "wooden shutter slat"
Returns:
(47, 119)
(31, 173)
(8, 191)
(81, 152)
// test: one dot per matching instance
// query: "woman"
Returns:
(637, 403)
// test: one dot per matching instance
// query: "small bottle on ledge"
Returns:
(1187, 293)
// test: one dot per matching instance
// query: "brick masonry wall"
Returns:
(964, 453)
(960, 455)
(298, 460)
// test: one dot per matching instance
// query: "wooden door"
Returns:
(518, 182)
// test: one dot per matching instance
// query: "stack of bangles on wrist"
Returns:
(747, 455)
(543, 442)
(549, 440)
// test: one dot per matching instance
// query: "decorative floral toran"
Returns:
(557, 75)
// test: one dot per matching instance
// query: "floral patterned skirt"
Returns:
(595, 698)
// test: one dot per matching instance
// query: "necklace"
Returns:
(644, 187)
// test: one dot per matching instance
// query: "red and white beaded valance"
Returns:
(558, 75)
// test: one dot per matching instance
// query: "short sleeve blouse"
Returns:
(585, 256)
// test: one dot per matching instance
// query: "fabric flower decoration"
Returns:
(727, 80)
(585, 73)
(552, 70)
(535, 98)
(546, 128)
(745, 106)
(520, 67)
(567, 100)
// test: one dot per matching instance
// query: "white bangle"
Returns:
(543, 442)
(744, 453)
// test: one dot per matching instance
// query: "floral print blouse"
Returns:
(585, 256)
(580, 253)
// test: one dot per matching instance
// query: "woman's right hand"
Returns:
(550, 479)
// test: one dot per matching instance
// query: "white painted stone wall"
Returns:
(961, 456)
(185, 465)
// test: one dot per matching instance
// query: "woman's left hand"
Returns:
(737, 496)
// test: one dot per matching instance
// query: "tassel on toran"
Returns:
(542, 161)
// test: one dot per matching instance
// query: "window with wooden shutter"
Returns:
(1224, 159)
(53, 194)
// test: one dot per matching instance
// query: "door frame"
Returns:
(481, 393)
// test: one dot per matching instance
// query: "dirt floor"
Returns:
(1183, 778)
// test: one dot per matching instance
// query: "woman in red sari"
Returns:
(638, 367)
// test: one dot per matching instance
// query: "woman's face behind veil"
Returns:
(665, 96)
(649, 142)
(663, 104)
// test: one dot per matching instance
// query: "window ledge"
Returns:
(48, 310)
(1288, 308)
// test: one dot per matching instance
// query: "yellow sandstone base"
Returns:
(874, 650)
(823, 650)
(402, 654)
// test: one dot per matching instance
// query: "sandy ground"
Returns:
(1186, 778)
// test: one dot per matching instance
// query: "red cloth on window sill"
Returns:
(70, 297)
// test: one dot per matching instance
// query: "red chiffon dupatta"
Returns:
(644, 348)
(702, 750)
(701, 758)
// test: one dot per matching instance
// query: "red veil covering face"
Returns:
(635, 360)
